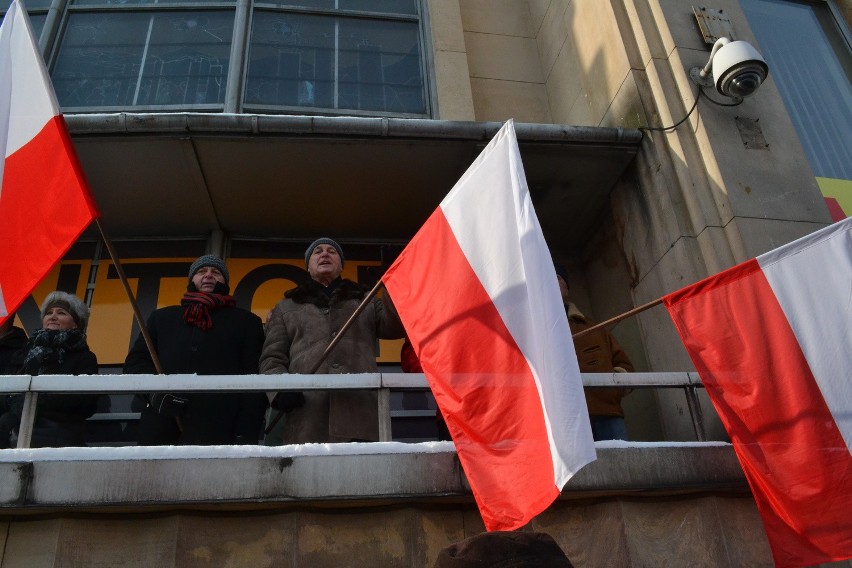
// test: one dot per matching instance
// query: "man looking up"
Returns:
(299, 329)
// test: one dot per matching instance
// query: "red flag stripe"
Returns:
(486, 382)
(44, 207)
(785, 436)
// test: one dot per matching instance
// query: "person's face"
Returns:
(58, 318)
(206, 278)
(563, 288)
(324, 265)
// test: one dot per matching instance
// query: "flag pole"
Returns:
(136, 313)
(346, 326)
(333, 344)
(616, 319)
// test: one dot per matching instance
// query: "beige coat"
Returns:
(299, 329)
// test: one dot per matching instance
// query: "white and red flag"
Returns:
(772, 341)
(477, 293)
(45, 202)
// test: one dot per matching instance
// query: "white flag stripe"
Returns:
(506, 250)
(804, 276)
(31, 105)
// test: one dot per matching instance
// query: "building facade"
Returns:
(247, 129)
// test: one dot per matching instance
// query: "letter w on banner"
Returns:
(772, 341)
(45, 202)
(477, 293)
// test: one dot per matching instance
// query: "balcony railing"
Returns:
(384, 383)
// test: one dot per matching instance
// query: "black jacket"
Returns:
(60, 418)
(231, 347)
(13, 348)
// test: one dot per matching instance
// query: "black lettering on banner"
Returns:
(149, 275)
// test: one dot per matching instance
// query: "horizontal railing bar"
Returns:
(114, 384)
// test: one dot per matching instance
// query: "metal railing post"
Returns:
(25, 430)
(695, 413)
(385, 434)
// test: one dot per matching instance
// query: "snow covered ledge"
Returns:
(223, 477)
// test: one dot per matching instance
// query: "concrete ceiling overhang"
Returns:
(360, 179)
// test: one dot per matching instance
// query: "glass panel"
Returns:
(379, 66)
(382, 6)
(125, 59)
(377, 6)
(147, 2)
(37, 21)
(32, 5)
(292, 63)
(812, 67)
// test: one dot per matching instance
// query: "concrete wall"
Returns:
(327, 505)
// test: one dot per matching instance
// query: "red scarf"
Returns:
(197, 307)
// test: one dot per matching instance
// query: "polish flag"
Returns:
(477, 293)
(45, 202)
(772, 341)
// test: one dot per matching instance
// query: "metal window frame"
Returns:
(426, 68)
(59, 12)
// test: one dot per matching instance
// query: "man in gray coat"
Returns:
(299, 329)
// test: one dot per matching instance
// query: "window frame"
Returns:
(236, 79)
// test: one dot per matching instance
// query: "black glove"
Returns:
(287, 401)
(167, 404)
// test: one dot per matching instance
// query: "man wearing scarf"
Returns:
(208, 335)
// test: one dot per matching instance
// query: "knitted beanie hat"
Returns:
(209, 260)
(323, 241)
(71, 304)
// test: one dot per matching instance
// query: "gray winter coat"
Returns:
(299, 329)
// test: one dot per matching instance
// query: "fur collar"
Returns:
(311, 293)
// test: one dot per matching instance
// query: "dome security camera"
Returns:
(738, 69)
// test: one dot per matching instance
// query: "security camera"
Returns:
(738, 69)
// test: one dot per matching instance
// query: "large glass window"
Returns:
(131, 59)
(334, 62)
(36, 10)
(322, 56)
(810, 59)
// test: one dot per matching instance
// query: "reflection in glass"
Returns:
(407, 7)
(127, 59)
(812, 66)
(339, 63)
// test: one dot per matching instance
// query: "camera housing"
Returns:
(738, 69)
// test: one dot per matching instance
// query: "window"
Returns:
(36, 10)
(122, 59)
(810, 59)
(337, 59)
(316, 56)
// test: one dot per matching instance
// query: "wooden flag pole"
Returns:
(333, 344)
(616, 319)
(136, 313)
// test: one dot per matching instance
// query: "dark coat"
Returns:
(299, 329)
(61, 418)
(231, 347)
(13, 348)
